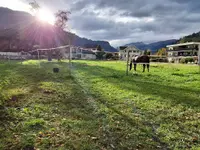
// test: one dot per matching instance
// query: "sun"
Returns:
(46, 16)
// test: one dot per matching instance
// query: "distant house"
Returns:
(184, 50)
(10, 45)
(80, 53)
(14, 55)
(132, 52)
(91, 47)
(86, 54)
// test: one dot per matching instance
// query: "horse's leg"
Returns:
(148, 66)
(135, 66)
(144, 66)
(131, 64)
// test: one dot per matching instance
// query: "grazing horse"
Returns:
(140, 59)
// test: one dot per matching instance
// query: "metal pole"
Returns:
(127, 63)
(81, 53)
(21, 57)
(199, 57)
(70, 49)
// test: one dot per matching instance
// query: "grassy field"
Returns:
(95, 106)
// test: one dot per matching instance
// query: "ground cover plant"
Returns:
(95, 106)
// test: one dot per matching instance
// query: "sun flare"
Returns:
(46, 16)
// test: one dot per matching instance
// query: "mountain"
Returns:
(12, 22)
(154, 47)
(78, 41)
(139, 45)
(10, 18)
(195, 37)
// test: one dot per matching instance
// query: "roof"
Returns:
(132, 47)
(123, 48)
(111, 52)
(180, 50)
(87, 52)
(184, 44)
(9, 51)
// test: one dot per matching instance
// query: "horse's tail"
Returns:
(131, 65)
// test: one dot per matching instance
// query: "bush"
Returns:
(115, 57)
(189, 60)
(34, 124)
(183, 61)
(109, 56)
(100, 55)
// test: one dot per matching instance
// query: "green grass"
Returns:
(95, 106)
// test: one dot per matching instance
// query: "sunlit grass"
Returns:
(96, 106)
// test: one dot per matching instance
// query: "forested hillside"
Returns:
(195, 37)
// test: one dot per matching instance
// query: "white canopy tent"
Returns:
(62, 48)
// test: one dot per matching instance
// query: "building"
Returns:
(177, 52)
(87, 54)
(132, 52)
(79, 53)
(14, 55)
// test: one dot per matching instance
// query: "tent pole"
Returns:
(38, 58)
(21, 58)
(199, 57)
(70, 51)
(127, 63)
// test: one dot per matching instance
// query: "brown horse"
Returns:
(144, 60)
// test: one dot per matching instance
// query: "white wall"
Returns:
(123, 54)
(10, 53)
(88, 56)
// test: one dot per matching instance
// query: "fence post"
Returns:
(38, 58)
(199, 57)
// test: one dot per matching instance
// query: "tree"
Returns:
(100, 54)
(162, 52)
(147, 52)
(62, 18)
(109, 55)
(99, 48)
(34, 6)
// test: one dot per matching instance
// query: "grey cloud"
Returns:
(89, 23)
(172, 18)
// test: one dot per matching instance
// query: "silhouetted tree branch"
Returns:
(62, 18)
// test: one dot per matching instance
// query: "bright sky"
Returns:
(15, 5)
(44, 14)
(123, 21)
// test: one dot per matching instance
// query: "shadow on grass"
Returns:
(16, 76)
(68, 102)
(141, 84)
(74, 104)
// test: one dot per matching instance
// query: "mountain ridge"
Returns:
(155, 46)
(11, 19)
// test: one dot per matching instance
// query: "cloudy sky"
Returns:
(125, 21)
